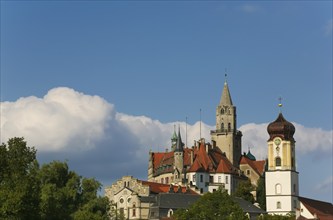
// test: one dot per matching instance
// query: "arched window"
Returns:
(222, 111)
(162, 180)
(222, 126)
(278, 189)
(134, 210)
(278, 161)
(229, 126)
(166, 180)
(278, 205)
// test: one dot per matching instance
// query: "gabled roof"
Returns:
(258, 166)
(323, 210)
(202, 162)
(247, 206)
(157, 188)
(176, 200)
(225, 166)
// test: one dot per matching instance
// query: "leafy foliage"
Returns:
(19, 185)
(277, 217)
(50, 192)
(216, 205)
(261, 193)
(244, 190)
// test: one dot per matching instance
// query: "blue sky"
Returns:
(151, 64)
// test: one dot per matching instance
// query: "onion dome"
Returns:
(281, 128)
(250, 156)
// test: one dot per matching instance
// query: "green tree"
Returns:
(289, 216)
(244, 190)
(60, 191)
(19, 185)
(261, 193)
(212, 206)
(50, 192)
(92, 206)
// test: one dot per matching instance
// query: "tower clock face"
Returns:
(277, 141)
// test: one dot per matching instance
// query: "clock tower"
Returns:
(281, 176)
(226, 136)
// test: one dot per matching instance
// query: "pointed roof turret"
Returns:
(179, 144)
(226, 97)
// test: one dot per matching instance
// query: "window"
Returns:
(278, 188)
(222, 111)
(193, 177)
(226, 179)
(295, 204)
(134, 210)
(219, 179)
(229, 126)
(294, 188)
(162, 180)
(201, 190)
(278, 205)
(248, 172)
(121, 211)
(278, 161)
(222, 126)
(201, 178)
(121, 200)
(166, 180)
(211, 179)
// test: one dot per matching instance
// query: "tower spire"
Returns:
(226, 97)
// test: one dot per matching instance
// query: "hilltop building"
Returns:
(205, 167)
(178, 177)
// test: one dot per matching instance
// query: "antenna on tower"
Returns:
(200, 124)
(186, 132)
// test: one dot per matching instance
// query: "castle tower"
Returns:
(226, 136)
(179, 159)
(281, 177)
(174, 140)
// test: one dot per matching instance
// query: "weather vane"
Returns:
(280, 103)
(225, 75)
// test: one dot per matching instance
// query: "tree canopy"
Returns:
(50, 192)
(212, 206)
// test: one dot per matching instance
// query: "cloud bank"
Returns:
(98, 141)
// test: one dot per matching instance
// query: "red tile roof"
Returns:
(323, 210)
(257, 166)
(205, 159)
(164, 188)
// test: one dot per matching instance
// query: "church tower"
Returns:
(226, 136)
(281, 176)
(178, 159)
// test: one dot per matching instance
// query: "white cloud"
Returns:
(62, 119)
(314, 140)
(103, 143)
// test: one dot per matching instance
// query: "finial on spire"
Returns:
(225, 75)
(280, 103)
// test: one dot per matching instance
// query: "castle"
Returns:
(207, 166)
(176, 178)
